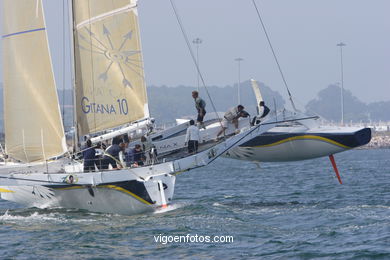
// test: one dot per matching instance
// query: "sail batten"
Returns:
(110, 83)
(105, 15)
(22, 32)
(32, 119)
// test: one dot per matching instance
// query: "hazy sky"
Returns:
(304, 34)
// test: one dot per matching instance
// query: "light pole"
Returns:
(197, 41)
(239, 78)
(341, 45)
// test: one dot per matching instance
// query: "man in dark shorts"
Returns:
(89, 156)
(200, 106)
(111, 155)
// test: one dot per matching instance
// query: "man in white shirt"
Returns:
(192, 138)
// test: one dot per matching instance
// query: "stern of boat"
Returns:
(125, 197)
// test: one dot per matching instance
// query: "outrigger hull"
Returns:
(283, 144)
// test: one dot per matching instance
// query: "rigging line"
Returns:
(274, 54)
(311, 110)
(193, 57)
(63, 63)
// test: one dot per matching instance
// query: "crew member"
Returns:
(192, 138)
(149, 149)
(231, 117)
(200, 106)
(89, 155)
(134, 156)
(263, 111)
(111, 155)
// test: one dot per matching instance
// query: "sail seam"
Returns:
(106, 15)
(23, 32)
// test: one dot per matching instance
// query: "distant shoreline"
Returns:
(379, 140)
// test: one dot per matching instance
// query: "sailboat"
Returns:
(110, 99)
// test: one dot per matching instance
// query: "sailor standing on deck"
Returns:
(149, 149)
(192, 138)
(200, 106)
(89, 156)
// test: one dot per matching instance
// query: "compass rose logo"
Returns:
(121, 56)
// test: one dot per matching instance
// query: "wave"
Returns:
(258, 204)
(53, 216)
(170, 207)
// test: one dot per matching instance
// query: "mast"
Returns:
(73, 75)
(341, 45)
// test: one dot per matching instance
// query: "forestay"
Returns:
(32, 119)
(110, 84)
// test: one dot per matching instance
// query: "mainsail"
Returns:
(32, 119)
(110, 84)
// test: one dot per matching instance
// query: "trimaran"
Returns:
(110, 100)
(110, 94)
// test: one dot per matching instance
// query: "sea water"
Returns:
(269, 211)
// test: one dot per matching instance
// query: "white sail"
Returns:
(110, 84)
(32, 119)
(256, 90)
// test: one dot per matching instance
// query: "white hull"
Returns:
(63, 184)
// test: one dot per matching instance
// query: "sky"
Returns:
(304, 34)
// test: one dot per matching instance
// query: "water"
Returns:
(280, 210)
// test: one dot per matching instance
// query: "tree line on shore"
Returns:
(168, 103)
